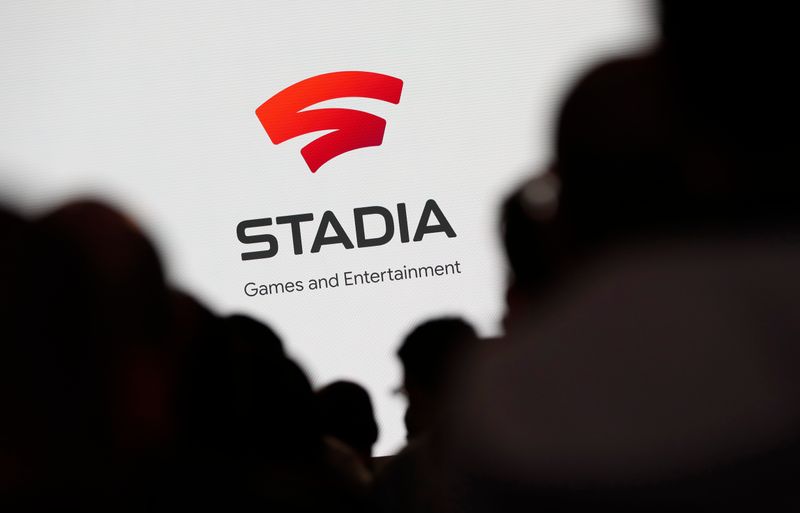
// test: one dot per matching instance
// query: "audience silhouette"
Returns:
(433, 356)
(430, 356)
(650, 360)
(638, 372)
(346, 415)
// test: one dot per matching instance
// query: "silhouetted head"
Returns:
(126, 285)
(272, 399)
(16, 362)
(731, 65)
(241, 329)
(346, 413)
(124, 311)
(431, 355)
(56, 409)
(244, 399)
(89, 383)
(531, 241)
(692, 135)
(14, 254)
(734, 66)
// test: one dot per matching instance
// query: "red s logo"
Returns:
(284, 116)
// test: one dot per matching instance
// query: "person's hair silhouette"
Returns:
(346, 413)
(430, 355)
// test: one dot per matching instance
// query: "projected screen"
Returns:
(331, 168)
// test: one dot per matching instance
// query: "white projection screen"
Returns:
(150, 106)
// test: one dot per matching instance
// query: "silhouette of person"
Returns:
(432, 356)
(88, 387)
(253, 436)
(346, 414)
(532, 244)
(657, 370)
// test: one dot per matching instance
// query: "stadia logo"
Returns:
(284, 116)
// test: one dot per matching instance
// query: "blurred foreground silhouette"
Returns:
(651, 357)
(650, 361)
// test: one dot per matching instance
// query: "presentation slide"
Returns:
(333, 169)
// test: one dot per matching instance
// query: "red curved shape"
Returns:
(283, 116)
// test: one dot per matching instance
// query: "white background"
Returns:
(150, 105)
